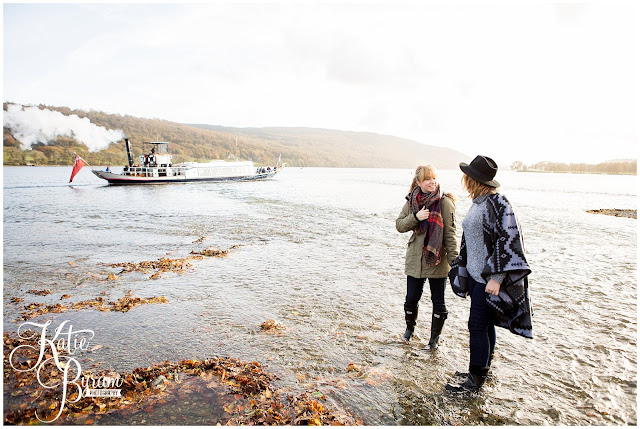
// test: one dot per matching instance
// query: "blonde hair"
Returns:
(423, 172)
(475, 188)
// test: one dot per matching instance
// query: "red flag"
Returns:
(78, 163)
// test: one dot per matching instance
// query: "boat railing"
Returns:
(155, 171)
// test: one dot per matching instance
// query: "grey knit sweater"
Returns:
(474, 236)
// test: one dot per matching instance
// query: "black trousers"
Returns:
(482, 332)
(414, 293)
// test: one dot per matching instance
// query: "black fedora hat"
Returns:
(483, 169)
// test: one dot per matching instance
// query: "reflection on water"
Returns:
(319, 253)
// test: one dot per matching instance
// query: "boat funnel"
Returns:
(129, 155)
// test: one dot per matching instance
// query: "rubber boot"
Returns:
(475, 379)
(410, 316)
(437, 322)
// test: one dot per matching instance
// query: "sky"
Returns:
(514, 80)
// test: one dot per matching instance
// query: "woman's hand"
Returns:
(493, 287)
(422, 214)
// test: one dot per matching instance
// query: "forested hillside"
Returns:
(348, 148)
(298, 146)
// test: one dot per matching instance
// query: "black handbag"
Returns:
(459, 279)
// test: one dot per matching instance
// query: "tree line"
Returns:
(304, 147)
(187, 143)
(609, 167)
(299, 147)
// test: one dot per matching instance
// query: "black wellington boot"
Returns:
(473, 383)
(437, 322)
(410, 316)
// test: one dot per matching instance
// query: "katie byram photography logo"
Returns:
(60, 348)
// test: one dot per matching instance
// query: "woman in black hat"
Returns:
(491, 268)
(430, 216)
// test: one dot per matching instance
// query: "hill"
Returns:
(334, 148)
(299, 146)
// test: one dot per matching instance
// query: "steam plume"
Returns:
(31, 125)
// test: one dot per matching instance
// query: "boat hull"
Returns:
(122, 179)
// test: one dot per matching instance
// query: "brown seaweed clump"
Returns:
(124, 304)
(633, 214)
(41, 292)
(163, 265)
(271, 326)
(244, 394)
(212, 251)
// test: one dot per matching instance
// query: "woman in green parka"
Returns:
(430, 216)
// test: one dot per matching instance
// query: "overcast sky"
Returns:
(514, 80)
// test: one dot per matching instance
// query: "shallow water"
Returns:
(320, 254)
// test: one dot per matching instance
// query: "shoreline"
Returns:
(383, 168)
(575, 172)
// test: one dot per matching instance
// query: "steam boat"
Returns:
(156, 167)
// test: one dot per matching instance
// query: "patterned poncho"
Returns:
(503, 253)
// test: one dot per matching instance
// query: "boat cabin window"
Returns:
(162, 148)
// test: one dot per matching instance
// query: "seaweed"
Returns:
(41, 292)
(271, 326)
(124, 304)
(163, 265)
(247, 396)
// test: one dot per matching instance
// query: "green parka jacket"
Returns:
(414, 265)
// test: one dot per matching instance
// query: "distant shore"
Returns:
(392, 168)
(630, 213)
(575, 172)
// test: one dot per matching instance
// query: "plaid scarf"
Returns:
(433, 226)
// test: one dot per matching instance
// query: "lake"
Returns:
(318, 252)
